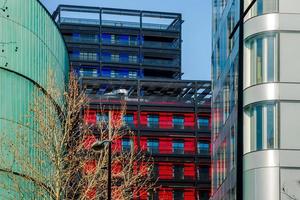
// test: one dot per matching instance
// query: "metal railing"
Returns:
(113, 60)
(120, 42)
(115, 23)
(81, 39)
(87, 58)
(157, 62)
(79, 21)
(165, 45)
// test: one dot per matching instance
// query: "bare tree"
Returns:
(62, 164)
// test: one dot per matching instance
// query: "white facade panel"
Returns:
(290, 125)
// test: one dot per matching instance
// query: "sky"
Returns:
(196, 29)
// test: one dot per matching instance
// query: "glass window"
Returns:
(178, 172)
(132, 59)
(102, 117)
(263, 126)
(152, 195)
(203, 147)
(232, 148)
(178, 195)
(263, 58)
(128, 119)
(132, 74)
(262, 7)
(88, 72)
(178, 146)
(152, 145)
(155, 171)
(126, 144)
(203, 122)
(88, 56)
(203, 173)
(204, 195)
(178, 122)
(152, 121)
(115, 57)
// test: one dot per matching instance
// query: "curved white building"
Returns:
(272, 101)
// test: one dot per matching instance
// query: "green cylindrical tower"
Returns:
(30, 47)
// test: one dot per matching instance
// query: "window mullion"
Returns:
(265, 126)
(265, 57)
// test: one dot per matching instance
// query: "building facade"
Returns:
(30, 46)
(270, 84)
(224, 99)
(138, 53)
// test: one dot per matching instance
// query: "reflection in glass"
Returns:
(263, 126)
(263, 58)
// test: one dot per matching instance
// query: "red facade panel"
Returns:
(165, 171)
(88, 141)
(165, 194)
(117, 145)
(165, 120)
(91, 193)
(143, 143)
(165, 145)
(189, 120)
(189, 171)
(90, 116)
(189, 194)
(116, 119)
(89, 166)
(189, 145)
(135, 119)
(135, 143)
(143, 119)
(143, 195)
(116, 169)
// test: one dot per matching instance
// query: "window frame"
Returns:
(126, 148)
(153, 121)
(152, 148)
(178, 146)
(259, 115)
(260, 55)
(178, 121)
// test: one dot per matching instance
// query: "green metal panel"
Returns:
(30, 47)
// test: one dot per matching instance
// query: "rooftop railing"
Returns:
(115, 23)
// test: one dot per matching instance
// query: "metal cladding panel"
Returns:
(143, 143)
(189, 171)
(90, 116)
(165, 145)
(189, 194)
(165, 120)
(165, 171)
(189, 145)
(166, 194)
(31, 46)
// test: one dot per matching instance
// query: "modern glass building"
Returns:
(224, 101)
(138, 54)
(270, 103)
(30, 47)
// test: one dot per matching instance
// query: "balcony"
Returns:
(173, 152)
(116, 60)
(81, 39)
(93, 58)
(133, 43)
(160, 62)
(161, 45)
